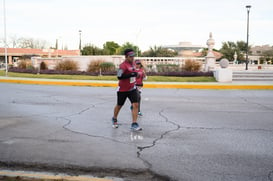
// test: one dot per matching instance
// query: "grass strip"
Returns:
(109, 78)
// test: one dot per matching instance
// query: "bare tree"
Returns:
(23, 42)
(13, 40)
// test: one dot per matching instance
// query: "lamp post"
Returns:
(80, 43)
(248, 9)
(5, 37)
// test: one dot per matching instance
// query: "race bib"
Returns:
(132, 79)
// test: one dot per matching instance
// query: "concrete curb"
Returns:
(170, 85)
(210, 86)
(47, 176)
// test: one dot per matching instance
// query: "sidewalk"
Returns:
(177, 85)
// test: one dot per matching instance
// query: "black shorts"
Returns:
(132, 95)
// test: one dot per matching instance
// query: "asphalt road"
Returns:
(188, 134)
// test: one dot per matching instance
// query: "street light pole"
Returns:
(5, 38)
(248, 9)
(80, 43)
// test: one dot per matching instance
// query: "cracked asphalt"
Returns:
(188, 134)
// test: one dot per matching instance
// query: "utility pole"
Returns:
(248, 9)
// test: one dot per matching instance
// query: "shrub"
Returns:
(180, 74)
(48, 71)
(167, 67)
(23, 64)
(100, 65)
(192, 66)
(67, 65)
(30, 67)
(94, 66)
(19, 70)
(107, 67)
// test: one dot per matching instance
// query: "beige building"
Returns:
(15, 54)
(185, 49)
(257, 51)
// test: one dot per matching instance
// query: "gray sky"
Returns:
(142, 22)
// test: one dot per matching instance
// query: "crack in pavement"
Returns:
(149, 171)
(141, 148)
(149, 165)
(65, 126)
(69, 121)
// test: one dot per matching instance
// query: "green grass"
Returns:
(180, 79)
(88, 77)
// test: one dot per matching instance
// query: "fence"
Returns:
(147, 61)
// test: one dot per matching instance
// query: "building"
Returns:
(259, 50)
(185, 49)
(15, 54)
(256, 52)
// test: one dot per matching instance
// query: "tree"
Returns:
(204, 51)
(126, 45)
(159, 52)
(24, 42)
(267, 56)
(29, 43)
(110, 48)
(241, 45)
(13, 40)
(91, 50)
(229, 48)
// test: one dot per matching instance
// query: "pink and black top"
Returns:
(129, 83)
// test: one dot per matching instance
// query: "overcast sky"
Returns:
(144, 23)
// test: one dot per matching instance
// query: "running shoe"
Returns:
(140, 114)
(114, 123)
(135, 127)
